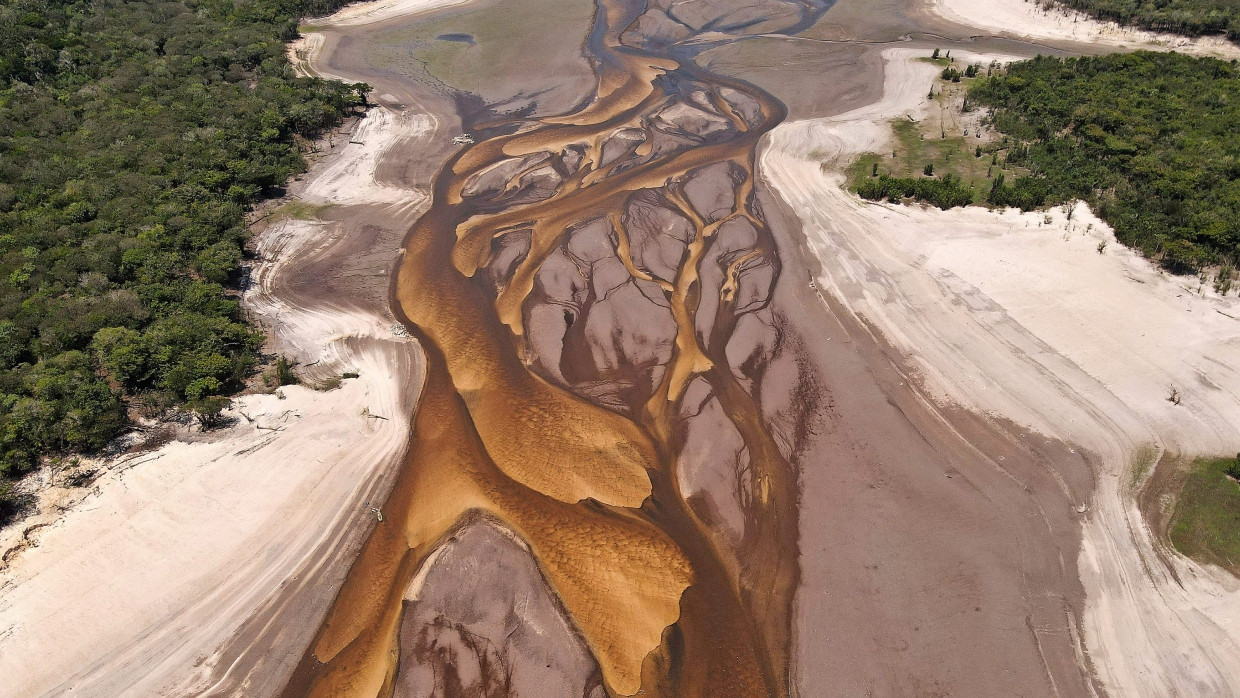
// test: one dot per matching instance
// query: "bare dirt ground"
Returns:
(1018, 316)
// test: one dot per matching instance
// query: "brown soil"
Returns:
(1156, 497)
(939, 546)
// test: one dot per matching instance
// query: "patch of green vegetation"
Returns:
(945, 192)
(1143, 460)
(280, 374)
(955, 154)
(134, 137)
(954, 74)
(1191, 17)
(937, 57)
(1206, 522)
(298, 210)
(328, 384)
(1025, 193)
(1148, 139)
(969, 163)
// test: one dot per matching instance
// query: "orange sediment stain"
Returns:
(593, 493)
(619, 576)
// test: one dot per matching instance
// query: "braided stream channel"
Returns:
(652, 181)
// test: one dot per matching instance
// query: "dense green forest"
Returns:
(134, 136)
(1148, 139)
(1179, 16)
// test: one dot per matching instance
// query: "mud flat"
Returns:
(613, 311)
(1018, 316)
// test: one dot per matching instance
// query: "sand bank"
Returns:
(1019, 316)
(363, 13)
(131, 590)
(1028, 19)
(138, 588)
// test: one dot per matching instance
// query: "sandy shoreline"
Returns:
(138, 587)
(997, 312)
(364, 13)
(1028, 19)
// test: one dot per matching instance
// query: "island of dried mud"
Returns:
(647, 402)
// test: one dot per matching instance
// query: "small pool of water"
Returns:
(462, 38)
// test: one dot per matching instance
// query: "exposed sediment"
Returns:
(1019, 316)
(592, 290)
(592, 489)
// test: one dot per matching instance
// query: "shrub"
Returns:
(944, 193)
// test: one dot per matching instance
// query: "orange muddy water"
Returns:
(591, 486)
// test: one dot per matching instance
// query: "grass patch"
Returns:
(948, 159)
(1206, 522)
(968, 161)
(955, 154)
(328, 384)
(1142, 460)
(280, 374)
(914, 149)
(299, 211)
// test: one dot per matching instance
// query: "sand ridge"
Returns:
(1018, 316)
(364, 13)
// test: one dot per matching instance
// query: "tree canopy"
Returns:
(134, 136)
(1148, 139)
(1190, 17)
